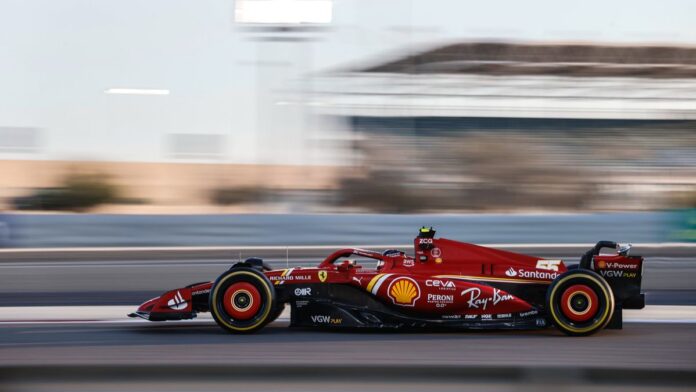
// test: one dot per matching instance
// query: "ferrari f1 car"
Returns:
(445, 284)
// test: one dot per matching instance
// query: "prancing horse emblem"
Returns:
(323, 275)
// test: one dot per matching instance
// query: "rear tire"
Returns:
(242, 300)
(580, 302)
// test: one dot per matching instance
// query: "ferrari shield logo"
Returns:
(323, 275)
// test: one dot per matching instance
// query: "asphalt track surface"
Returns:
(324, 378)
(637, 346)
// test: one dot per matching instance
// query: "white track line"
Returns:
(317, 247)
(117, 314)
(661, 314)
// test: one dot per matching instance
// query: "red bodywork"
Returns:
(444, 278)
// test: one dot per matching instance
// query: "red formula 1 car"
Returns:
(446, 284)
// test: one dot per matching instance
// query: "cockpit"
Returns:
(347, 259)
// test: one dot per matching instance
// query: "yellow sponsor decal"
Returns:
(373, 281)
(322, 275)
(404, 291)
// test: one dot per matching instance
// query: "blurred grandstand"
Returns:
(502, 125)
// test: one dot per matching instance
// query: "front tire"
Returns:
(580, 302)
(242, 300)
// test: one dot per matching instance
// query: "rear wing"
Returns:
(623, 272)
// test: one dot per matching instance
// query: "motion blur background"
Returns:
(325, 122)
(347, 106)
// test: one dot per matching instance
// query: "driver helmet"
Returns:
(392, 253)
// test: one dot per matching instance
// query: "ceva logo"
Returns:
(443, 284)
(511, 272)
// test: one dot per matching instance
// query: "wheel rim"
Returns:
(579, 303)
(242, 301)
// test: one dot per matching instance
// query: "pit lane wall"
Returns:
(98, 230)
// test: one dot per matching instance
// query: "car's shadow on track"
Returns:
(277, 335)
(211, 333)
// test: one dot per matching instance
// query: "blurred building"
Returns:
(470, 126)
(621, 119)
(497, 80)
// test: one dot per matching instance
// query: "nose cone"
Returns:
(172, 305)
(145, 308)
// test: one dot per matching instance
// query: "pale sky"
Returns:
(58, 56)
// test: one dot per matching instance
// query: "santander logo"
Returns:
(177, 303)
(511, 272)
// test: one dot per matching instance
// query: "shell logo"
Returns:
(601, 264)
(404, 291)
